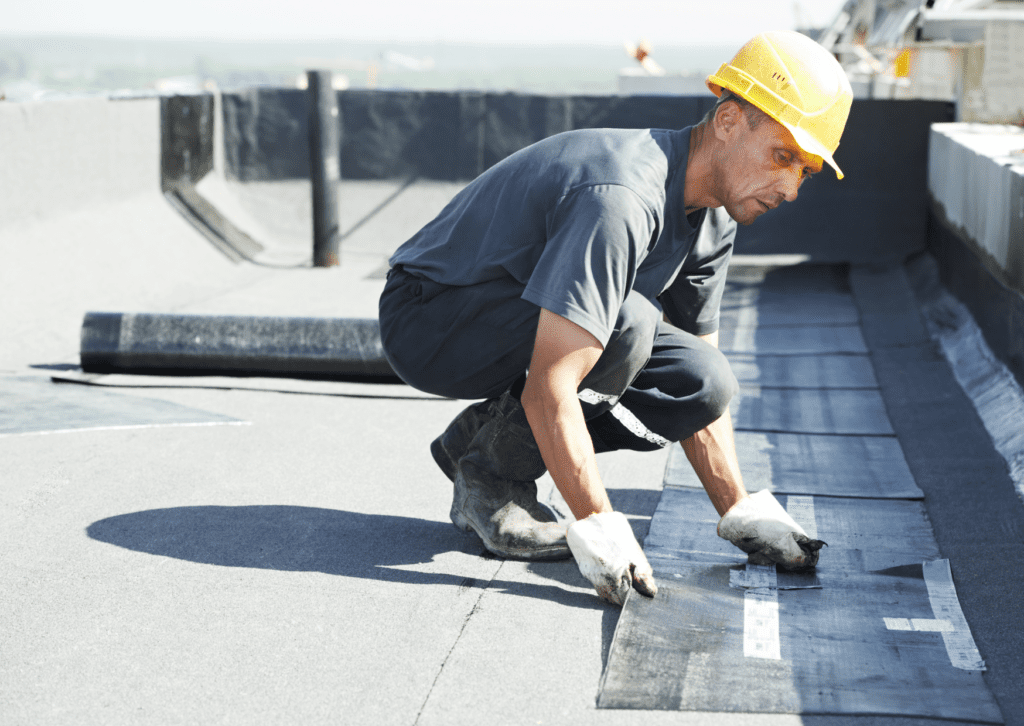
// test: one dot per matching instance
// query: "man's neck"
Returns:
(698, 190)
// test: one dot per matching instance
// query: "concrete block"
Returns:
(976, 175)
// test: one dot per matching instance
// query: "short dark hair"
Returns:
(754, 115)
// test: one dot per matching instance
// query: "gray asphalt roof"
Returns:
(300, 567)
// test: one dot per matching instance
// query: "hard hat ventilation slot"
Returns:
(781, 81)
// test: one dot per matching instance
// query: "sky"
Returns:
(665, 22)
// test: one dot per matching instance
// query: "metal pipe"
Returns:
(324, 167)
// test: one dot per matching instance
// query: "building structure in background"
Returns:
(968, 51)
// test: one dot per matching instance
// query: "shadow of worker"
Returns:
(309, 539)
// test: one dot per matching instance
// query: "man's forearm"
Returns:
(712, 452)
(561, 433)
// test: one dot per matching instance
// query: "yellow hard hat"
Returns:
(796, 82)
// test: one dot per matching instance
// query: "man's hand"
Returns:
(759, 526)
(609, 556)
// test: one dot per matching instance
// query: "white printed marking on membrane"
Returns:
(960, 647)
(761, 615)
(801, 509)
(761, 600)
(922, 625)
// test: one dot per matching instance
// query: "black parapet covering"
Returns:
(442, 135)
(341, 348)
(400, 134)
(186, 156)
(186, 139)
(877, 214)
(266, 134)
(324, 166)
(979, 283)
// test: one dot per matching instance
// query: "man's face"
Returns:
(761, 167)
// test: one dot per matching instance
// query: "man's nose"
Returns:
(790, 184)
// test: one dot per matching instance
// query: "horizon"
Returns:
(597, 22)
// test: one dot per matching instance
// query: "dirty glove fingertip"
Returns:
(645, 584)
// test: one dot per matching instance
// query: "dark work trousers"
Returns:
(653, 384)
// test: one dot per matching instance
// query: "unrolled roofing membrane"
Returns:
(833, 466)
(876, 628)
(36, 405)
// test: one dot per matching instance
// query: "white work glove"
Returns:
(609, 556)
(759, 526)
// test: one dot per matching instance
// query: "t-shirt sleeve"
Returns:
(693, 301)
(596, 238)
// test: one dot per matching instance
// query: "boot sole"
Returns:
(548, 553)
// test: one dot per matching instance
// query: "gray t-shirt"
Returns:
(579, 220)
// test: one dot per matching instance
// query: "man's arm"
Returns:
(563, 354)
(601, 539)
(757, 524)
(712, 452)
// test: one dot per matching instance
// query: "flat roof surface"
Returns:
(286, 555)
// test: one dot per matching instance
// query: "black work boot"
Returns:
(496, 491)
(453, 444)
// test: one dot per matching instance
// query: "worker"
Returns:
(575, 288)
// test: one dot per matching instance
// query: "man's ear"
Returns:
(728, 118)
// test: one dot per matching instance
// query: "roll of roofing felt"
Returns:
(240, 345)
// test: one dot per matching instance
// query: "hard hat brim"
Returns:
(812, 146)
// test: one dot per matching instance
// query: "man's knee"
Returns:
(719, 387)
(706, 387)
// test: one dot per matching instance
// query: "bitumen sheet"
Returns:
(863, 535)
(690, 649)
(36, 405)
(810, 411)
(125, 342)
(803, 371)
(792, 336)
(773, 309)
(835, 466)
(792, 340)
(876, 628)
